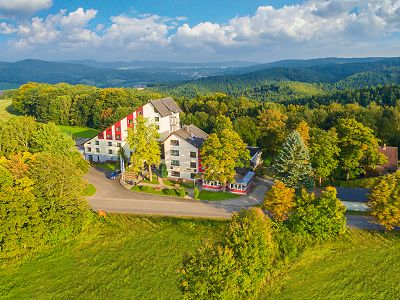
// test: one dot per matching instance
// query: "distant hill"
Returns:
(332, 73)
(160, 64)
(236, 78)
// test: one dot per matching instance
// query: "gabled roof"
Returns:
(192, 134)
(165, 106)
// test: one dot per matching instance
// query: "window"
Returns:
(130, 121)
(174, 152)
(110, 151)
(117, 136)
(118, 144)
(175, 174)
(175, 163)
(97, 143)
(117, 128)
(97, 150)
(110, 144)
(89, 149)
(192, 175)
(174, 143)
(193, 154)
(157, 119)
(109, 136)
(193, 164)
(158, 127)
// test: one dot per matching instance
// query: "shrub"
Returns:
(238, 266)
(196, 193)
(250, 238)
(209, 274)
(182, 192)
(170, 192)
(321, 217)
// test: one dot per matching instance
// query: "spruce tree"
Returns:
(292, 164)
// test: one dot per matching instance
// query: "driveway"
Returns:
(113, 197)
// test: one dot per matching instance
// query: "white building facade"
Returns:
(105, 146)
(181, 152)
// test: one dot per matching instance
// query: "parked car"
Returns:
(114, 174)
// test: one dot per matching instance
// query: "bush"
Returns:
(182, 192)
(321, 217)
(238, 266)
(250, 238)
(210, 274)
(196, 193)
(170, 192)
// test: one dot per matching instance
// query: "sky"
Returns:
(198, 30)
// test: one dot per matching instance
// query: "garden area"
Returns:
(78, 132)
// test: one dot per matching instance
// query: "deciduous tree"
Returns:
(324, 153)
(220, 155)
(358, 148)
(279, 201)
(384, 201)
(142, 139)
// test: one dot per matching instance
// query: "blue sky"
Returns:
(194, 30)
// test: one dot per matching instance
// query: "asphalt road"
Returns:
(111, 196)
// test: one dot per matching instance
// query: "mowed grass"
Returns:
(5, 105)
(127, 257)
(78, 132)
(216, 196)
(90, 190)
(361, 265)
(107, 166)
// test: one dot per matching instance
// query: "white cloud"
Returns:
(6, 28)
(313, 28)
(23, 7)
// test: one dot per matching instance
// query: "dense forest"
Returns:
(78, 105)
(376, 107)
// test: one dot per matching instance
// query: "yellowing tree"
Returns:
(279, 201)
(142, 140)
(304, 130)
(384, 201)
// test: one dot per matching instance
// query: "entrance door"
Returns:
(90, 157)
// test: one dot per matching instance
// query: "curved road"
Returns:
(111, 196)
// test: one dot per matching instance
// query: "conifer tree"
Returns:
(292, 165)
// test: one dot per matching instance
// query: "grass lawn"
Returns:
(78, 132)
(108, 166)
(216, 196)
(4, 113)
(154, 180)
(132, 257)
(90, 190)
(127, 257)
(361, 265)
(151, 190)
